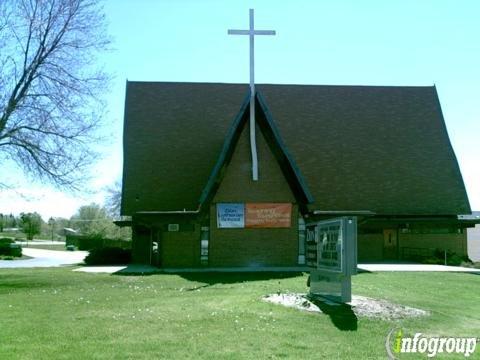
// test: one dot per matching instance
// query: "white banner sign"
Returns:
(230, 215)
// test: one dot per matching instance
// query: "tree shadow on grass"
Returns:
(341, 315)
(475, 272)
(213, 277)
(13, 282)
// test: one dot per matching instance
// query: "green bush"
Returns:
(6, 240)
(89, 242)
(7, 249)
(433, 261)
(108, 256)
(16, 251)
(453, 259)
(5, 246)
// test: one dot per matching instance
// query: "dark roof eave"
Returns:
(123, 223)
(344, 212)
(414, 218)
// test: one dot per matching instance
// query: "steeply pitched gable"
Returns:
(270, 132)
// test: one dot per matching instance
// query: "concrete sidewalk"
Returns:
(415, 267)
(120, 269)
(138, 269)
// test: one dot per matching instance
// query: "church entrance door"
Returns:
(390, 244)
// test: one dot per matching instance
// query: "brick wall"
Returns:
(370, 247)
(237, 184)
(253, 247)
(454, 242)
(180, 249)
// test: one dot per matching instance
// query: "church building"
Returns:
(376, 152)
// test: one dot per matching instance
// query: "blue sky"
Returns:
(317, 42)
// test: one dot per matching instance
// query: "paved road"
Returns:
(40, 242)
(415, 267)
(45, 258)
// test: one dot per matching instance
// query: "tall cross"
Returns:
(251, 32)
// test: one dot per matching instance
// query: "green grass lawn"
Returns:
(60, 314)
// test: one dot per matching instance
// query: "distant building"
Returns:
(12, 230)
(70, 231)
(381, 153)
(473, 237)
(474, 243)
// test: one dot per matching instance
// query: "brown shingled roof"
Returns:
(383, 149)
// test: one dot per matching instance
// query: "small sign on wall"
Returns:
(231, 215)
(173, 227)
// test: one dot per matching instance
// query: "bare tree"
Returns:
(94, 220)
(50, 86)
(113, 199)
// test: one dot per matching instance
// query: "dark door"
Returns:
(390, 244)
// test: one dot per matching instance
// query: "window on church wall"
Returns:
(311, 245)
(179, 227)
(204, 240)
(301, 240)
(435, 230)
(413, 230)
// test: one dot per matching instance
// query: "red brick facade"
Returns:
(371, 247)
(253, 247)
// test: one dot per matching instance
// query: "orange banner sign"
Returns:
(268, 215)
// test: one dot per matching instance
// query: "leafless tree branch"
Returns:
(50, 88)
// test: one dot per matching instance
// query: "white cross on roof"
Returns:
(251, 32)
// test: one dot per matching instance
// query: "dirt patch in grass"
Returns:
(362, 306)
(368, 307)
